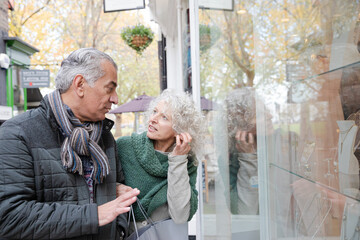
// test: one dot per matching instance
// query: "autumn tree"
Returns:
(57, 28)
(24, 11)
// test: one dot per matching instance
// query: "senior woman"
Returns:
(161, 162)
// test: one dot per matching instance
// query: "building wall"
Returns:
(4, 27)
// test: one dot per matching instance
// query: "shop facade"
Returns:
(282, 158)
(19, 98)
(14, 55)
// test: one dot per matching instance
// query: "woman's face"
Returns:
(160, 124)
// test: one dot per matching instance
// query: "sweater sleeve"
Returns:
(122, 223)
(21, 215)
(179, 189)
(120, 178)
(247, 184)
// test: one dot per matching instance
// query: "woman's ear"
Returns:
(79, 84)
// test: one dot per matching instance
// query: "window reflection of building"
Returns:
(18, 93)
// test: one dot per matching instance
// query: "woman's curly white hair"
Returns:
(241, 110)
(185, 117)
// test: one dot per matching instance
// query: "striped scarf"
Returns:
(80, 139)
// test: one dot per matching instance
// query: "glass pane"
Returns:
(307, 69)
(284, 77)
(18, 93)
(231, 197)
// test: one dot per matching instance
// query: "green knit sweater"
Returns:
(146, 169)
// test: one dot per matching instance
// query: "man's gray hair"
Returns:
(84, 61)
(185, 117)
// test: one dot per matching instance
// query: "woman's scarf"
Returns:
(80, 139)
(146, 169)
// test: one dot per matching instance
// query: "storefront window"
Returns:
(227, 78)
(18, 91)
(283, 158)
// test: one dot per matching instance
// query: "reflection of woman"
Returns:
(161, 162)
(350, 96)
(241, 125)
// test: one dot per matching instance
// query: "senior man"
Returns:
(58, 168)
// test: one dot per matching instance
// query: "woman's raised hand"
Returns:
(183, 142)
(245, 141)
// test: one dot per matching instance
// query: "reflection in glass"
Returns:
(241, 127)
(236, 147)
(303, 59)
(329, 159)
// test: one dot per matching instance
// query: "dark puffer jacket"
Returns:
(39, 199)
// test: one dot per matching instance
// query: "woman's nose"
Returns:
(154, 118)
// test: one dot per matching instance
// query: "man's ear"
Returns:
(78, 84)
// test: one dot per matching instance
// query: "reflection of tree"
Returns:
(305, 90)
(282, 31)
(239, 38)
(229, 63)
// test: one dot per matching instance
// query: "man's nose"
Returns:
(114, 98)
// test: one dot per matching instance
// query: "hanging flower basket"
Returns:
(208, 35)
(137, 37)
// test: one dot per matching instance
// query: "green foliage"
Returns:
(128, 34)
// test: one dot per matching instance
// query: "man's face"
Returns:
(99, 98)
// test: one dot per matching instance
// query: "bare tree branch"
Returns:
(34, 13)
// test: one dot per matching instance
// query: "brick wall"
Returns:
(4, 24)
(4, 27)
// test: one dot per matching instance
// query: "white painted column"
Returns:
(195, 67)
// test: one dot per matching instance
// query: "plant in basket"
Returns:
(137, 37)
(208, 35)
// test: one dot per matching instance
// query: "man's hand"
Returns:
(109, 211)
